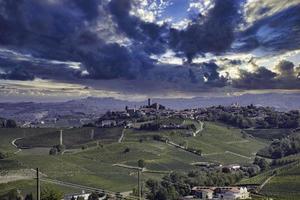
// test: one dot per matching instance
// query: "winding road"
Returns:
(122, 136)
(14, 144)
(201, 127)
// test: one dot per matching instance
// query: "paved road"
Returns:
(14, 144)
(201, 127)
(122, 136)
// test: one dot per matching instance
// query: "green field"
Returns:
(95, 166)
(285, 182)
(71, 137)
(28, 186)
(269, 134)
(284, 186)
(221, 144)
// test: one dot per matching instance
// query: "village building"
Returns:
(108, 123)
(220, 193)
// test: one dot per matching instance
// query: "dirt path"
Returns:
(16, 175)
(201, 127)
(237, 154)
(122, 136)
(128, 166)
(264, 183)
(144, 170)
(14, 144)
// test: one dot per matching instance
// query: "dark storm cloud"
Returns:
(263, 78)
(63, 30)
(17, 74)
(286, 69)
(147, 33)
(89, 8)
(68, 30)
(211, 73)
(214, 33)
(278, 32)
(209, 76)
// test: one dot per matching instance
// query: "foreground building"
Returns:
(219, 193)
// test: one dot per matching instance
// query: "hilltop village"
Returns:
(201, 153)
(239, 116)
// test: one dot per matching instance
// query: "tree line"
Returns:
(250, 116)
(7, 123)
(284, 147)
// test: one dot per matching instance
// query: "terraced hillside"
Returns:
(110, 165)
(280, 182)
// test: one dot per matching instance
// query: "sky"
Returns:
(54, 50)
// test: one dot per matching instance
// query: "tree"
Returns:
(3, 155)
(29, 197)
(11, 123)
(126, 150)
(141, 163)
(93, 196)
(262, 163)
(14, 195)
(51, 194)
(53, 151)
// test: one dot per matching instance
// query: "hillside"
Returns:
(281, 182)
(110, 165)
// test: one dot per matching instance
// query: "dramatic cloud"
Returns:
(150, 34)
(213, 33)
(18, 74)
(262, 78)
(75, 40)
(286, 69)
(259, 79)
(276, 33)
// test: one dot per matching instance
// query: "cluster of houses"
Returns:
(218, 193)
(147, 112)
(197, 193)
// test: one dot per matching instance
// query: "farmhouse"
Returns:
(220, 193)
(83, 195)
(108, 123)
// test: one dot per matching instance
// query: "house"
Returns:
(232, 193)
(203, 192)
(83, 195)
(234, 167)
(108, 123)
(220, 193)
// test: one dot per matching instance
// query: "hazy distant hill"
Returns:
(97, 106)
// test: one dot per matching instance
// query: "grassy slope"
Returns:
(94, 167)
(269, 134)
(8, 135)
(71, 137)
(214, 141)
(284, 185)
(29, 186)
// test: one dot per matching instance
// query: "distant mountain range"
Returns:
(94, 107)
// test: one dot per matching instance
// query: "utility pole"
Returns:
(61, 137)
(92, 134)
(139, 184)
(38, 187)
